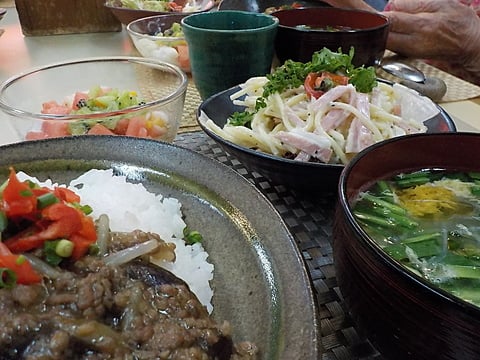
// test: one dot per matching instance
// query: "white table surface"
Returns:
(19, 53)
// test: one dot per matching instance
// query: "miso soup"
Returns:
(429, 221)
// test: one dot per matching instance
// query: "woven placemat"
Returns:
(7, 3)
(309, 219)
(457, 89)
(192, 102)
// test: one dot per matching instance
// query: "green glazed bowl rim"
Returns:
(273, 24)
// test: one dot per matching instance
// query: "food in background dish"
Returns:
(272, 9)
(324, 111)
(159, 5)
(428, 220)
(99, 99)
(173, 49)
(123, 293)
(330, 28)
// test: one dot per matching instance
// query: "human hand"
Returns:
(352, 4)
(435, 29)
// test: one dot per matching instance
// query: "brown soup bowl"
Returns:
(403, 315)
(303, 31)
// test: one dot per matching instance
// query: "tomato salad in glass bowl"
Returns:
(130, 96)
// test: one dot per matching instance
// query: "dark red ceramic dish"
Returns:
(301, 32)
(404, 316)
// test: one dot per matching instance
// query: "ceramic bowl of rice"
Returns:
(246, 274)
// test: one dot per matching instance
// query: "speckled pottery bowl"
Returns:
(260, 282)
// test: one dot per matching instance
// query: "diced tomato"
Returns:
(20, 266)
(35, 135)
(55, 128)
(99, 129)
(18, 198)
(66, 194)
(183, 58)
(64, 221)
(316, 84)
(50, 129)
(54, 108)
(121, 127)
(136, 127)
(173, 6)
(156, 131)
(57, 218)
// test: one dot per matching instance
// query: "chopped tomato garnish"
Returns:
(66, 195)
(18, 197)
(317, 84)
(19, 265)
(40, 214)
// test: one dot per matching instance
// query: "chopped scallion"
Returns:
(8, 278)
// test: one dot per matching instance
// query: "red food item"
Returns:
(60, 218)
(313, 82)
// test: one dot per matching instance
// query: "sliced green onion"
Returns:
(20, 260)
(3, 186)
(379, 202)
(64, 248)
(57, 250)
(46, 200)
(464, 271)
(86, 209)
(26, 193)
(8, 278)
(3, 221)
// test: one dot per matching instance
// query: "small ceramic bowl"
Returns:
(161, 37)
(131, 96)
(404, 316)
(228, 47)
(126, 14)
(302, 32)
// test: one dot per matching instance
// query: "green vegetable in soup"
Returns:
(429, 221)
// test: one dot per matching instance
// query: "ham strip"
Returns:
(315, 145)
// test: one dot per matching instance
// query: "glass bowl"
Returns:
(127, 11)
(161, 37)
(130, 96)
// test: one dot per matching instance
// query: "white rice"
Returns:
(131, 207)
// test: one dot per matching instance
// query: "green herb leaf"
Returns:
(292, 74)
(50, 252)
(192, 236)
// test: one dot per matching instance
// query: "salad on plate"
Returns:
(326, 110)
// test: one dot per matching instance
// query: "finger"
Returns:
(415, 7)
(402, 22)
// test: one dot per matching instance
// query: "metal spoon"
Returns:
(403, 71)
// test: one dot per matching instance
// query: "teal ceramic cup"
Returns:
(228, 47)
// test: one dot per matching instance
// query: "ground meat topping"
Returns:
(95, 312)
